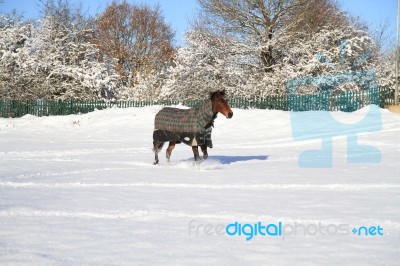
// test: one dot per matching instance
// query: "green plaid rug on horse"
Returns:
(190, 126)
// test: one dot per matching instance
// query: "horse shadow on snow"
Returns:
(223, 159)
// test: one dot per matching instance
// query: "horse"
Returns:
(191, 126)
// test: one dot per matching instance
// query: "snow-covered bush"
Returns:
(52, 62)
(14, 36)
(147, 88)
(70, 64)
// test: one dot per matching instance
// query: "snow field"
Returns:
(82, 190)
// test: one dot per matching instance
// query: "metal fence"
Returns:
(348, 102)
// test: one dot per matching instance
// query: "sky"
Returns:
(178, 13)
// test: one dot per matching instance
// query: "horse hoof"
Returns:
(199, 161)
(155, 163)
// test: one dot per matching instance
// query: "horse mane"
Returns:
(221, 93)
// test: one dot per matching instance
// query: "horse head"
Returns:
(220, 104)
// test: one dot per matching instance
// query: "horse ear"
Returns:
(218, 92)
(211, 94)
(222, 92)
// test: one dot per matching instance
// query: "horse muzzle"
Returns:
(229, 115)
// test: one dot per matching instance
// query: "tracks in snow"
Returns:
(192, 217)
(32, 155)
(324, 187)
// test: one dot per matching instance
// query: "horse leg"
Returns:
(171, 146)
(157, 146)
(204, 150)
(196, 152)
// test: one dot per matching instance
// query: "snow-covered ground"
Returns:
(82, 190)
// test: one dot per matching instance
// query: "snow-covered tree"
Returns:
(52, 61)
(206, 63)
(14, 36)
(68, 64)
(329, 51)
(251, 48)
(148, 87)
(210, 62)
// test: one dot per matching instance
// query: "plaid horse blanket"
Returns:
(184, 125)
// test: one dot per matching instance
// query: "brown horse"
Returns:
(190, 126)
